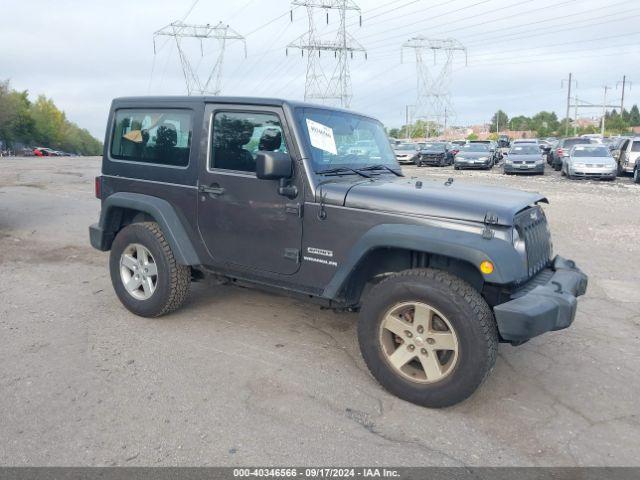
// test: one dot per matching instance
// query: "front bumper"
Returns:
(407, 160)
(432, 160)
(586, 172)
(548, 302)
(472, 164)
(523, 168)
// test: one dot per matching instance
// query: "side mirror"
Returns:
(273, 165)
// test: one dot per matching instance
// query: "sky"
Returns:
(85, 53)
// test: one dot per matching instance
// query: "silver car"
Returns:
(627, 154)
(589, 161)
(406, 152)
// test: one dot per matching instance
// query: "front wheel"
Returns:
(427, 337)
(144, 273)
(636, 175)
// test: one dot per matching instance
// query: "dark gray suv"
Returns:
(279, 195)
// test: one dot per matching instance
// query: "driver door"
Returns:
(244, 221)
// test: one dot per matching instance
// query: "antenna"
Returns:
(202, 33)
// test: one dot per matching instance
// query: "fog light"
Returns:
(486, 267)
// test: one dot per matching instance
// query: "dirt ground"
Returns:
(239, 377)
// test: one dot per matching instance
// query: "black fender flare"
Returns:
(462, 245)
(163, 213)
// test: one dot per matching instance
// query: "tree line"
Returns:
(544, 123)
(40, 123)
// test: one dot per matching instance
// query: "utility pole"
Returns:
(433, 96)
(336, 87)
(575, 116)
(202, 33)
(604, 109)
(445, 124)
(406, 124)
(569, 84)
(624, 86)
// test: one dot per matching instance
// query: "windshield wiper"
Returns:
(330, 171)
(381, 167)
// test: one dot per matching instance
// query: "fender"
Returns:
(163, 213)
(509, 267)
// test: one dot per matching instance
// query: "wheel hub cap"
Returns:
(419, 342)
(138, 271)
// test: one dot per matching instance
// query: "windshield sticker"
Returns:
(322, 137)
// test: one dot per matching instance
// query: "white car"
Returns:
(589, 161)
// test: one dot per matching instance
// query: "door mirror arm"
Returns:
(286, 190)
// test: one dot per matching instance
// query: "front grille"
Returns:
(533, 227)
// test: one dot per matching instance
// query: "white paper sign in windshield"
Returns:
(322, 137)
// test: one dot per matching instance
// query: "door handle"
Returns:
(213, 190)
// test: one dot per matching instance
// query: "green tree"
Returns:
(472, 136)
(544, 123)
(519, 123)
(634, 116)
(394, 132)
(16, 124)
(499, 121)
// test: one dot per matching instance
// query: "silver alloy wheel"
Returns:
(138, 271)
(419, 342)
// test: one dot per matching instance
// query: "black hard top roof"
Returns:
(267, 102)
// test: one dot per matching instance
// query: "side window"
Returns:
(162, 137)
(238, 136)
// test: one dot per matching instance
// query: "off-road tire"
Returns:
(468, 314)
(173, 282)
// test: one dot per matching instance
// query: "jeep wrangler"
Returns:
(278, 195)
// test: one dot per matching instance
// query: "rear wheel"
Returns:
(636, 175)
(427, 337)
(144, 273)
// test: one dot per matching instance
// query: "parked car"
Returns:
(435, 154)
(44, 152)
(406, 152)
(496, 154)
(590, 161)
(474, 155)
(343, 231)
(523, 158)
(563, 148)
(627, 155)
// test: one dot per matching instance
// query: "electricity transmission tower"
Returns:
(203, 34)
(334, 88)
(433, 97)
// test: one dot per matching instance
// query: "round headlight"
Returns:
(518, 242)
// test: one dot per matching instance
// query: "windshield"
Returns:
(406, 146)
(340, 139)
(475, 147)
(525, 149)
(575, 141)
(590, 152)
(434, 146)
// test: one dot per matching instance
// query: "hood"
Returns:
(432, 151)
(405, 152)
(462, 154)
(431, 198)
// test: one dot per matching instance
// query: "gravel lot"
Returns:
(239, 377)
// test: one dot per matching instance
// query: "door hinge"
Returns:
(292, 254)
(294, 209)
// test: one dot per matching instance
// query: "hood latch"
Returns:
(490, 218)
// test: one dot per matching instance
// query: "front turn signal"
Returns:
(486, 267)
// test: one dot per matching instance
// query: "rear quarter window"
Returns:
(154, 136)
